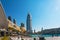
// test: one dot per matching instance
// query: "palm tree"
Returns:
(9, 17)
(14, 21)
(22, 24)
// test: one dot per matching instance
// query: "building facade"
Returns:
(7, 24)
(3, 20)
(28, 23)
(13, 29)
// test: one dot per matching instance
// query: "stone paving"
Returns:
(27, 38)
(24, 38)
(52, 38)
(19, 38)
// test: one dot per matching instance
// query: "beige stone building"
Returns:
(3, 20)
(7, 24)
(12, 28)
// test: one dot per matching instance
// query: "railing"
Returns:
(44, 35)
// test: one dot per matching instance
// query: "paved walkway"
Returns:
(15, 38)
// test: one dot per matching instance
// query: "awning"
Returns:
(18, 29)
(3, 30)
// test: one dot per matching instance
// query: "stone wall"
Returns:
(3, 20)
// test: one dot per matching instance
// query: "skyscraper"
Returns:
(28, 23)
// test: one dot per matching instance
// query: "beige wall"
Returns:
(3, 20)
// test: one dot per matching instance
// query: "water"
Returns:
(44, 35)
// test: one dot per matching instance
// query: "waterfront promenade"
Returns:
(26, 38)
(52, 38)
(15, 38)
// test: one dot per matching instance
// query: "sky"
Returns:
(45, 13)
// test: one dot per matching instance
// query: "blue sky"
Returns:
(45, 13)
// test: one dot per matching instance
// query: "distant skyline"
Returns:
(45, 13)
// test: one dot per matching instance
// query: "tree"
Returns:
(22, 24)
(14, 21)
(9, 17)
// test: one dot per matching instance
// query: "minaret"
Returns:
(28, 23)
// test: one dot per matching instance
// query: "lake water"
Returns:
(44, 35)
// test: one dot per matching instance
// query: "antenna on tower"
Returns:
(42, 29)
(34, 31)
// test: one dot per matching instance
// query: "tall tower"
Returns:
(28, 23)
